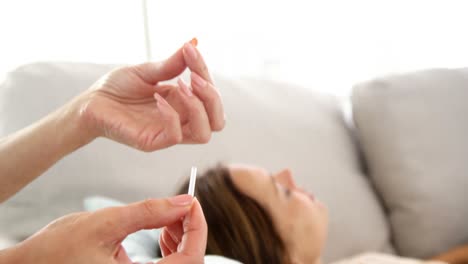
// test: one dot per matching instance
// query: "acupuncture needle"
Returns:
(193, 178)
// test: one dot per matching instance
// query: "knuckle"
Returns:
(150, 207)
(146, 149)
(65, 220)
(218, 126)
(173, 116)
(175, 137)
(142, 69)
(110, 225)
(148, 141)
(213, 97)
(196, 111)
(138, 70)
(143, 142)
(204, 68)
(204, 137)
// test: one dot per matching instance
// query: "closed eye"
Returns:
(277, 185)
(285, 190)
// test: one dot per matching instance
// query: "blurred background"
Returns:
(407, 138)
(324, 45)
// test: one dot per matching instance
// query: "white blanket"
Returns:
(379, 258)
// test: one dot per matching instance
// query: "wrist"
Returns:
(75, 130)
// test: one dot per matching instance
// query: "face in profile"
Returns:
(255, 216)
(298, 217)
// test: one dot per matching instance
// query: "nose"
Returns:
(285, 178)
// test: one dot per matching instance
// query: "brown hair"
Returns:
(238, 227)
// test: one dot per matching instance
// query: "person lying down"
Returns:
(255, 216)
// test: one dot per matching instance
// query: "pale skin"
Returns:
(131, 106)
(299, 218)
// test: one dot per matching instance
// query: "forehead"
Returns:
(252, 181)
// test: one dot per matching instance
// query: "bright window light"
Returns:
(97, 31)
(323, 45)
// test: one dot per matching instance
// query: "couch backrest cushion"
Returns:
(413, 129)
(269, 124)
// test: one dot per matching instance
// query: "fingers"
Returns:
(117, 222)
(204, 86)
(172, 132)
(165, 251)
(170, 238)
(197, 129)
(193, 241)
(121, 255)
(167, 244)
(201, 82)
(211, 99)
(195, 232)
(194, 117)
(195, 61)
(176, 231)
(154, 72)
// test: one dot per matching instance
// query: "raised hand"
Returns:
(132, 106)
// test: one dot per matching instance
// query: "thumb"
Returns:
(193, 243)
(116, 223)
(154, 72)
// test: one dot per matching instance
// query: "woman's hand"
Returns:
(131, 105)
(96, 237)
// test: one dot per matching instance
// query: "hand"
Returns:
(131, 105)
(96, 237)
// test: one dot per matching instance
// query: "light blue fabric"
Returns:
(141, 246)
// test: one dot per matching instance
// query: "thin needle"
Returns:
(193, 178)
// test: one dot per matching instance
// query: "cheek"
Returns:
(311, 232)
(303, 230)
(302, 220)
(318, 228)
(313, 220)
(285, 221)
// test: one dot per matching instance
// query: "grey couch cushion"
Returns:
(413, 129)
(269, 124)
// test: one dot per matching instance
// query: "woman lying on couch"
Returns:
(255, 216)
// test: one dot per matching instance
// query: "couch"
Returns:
(393, 173)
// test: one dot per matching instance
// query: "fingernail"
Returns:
(198, 80)
(180, 247)
(194, 42)
(181, 200)
(185, 225)
(184, 87)
(190, 49)
(159, 99)
(174, 237)
(189, 215)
